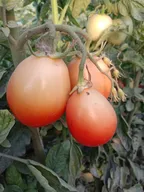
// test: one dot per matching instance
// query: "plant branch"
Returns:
(54, 11)
(38, 145)
(28, 34)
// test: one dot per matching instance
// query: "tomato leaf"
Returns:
(13, 177)
(77, 6)
(122, 8)
(137, 170)
(41, 179)
(44, 10)
(6, 31)
(19, 137)
(129, 105)
(13, 188)
(57, 159)
(136, 188)
(75, 162)
(1, 188)
(137, 10)
(27, 2)
(2, 72)
(7, 121)
(6, 143)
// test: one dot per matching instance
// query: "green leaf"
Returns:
(19, 137)
(4, 81)
(27, 2)
(58, 125)
(2, 72)
(56, 182)
(13, 188)
(1, 188)
(79, 5)
(6, 143)
(41, 179)
(6, 31)
(9, 4)
(137, 10)
(31, 190)
(13, 177)
(122, 8)
(44, 10)
(75, 162)
(7, 121)
(12, 24)
(129, 105)
(58, 159)
(138, 172)
(124, 174)
(135, 188)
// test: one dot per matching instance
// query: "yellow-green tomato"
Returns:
(96, 25)
(118, 37)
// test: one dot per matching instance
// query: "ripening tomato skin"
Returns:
(96, 25)
(100, 81)
(90, 117)
(38, 90)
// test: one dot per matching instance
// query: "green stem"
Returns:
(64, 12)
(67, 29)
(38, 145)
(54, 11)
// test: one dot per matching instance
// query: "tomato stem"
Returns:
(54, 11)
(38, 145)
(64, 12)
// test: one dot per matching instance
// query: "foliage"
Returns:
(117, 166)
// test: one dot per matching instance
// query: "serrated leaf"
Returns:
(6, 31)
(58, 125)
(122, 8)
(137, 11)
(12, 24)
(9, 4)
(56, 182)
(27, 2)
(135, 188)
(75, 162)
(19, 137)
(1, 188)
(78, 6)
(2, 72)
(13, 177)
(6, 143)
(41, 179)
(44, 10)
(58, 158)
(138, 172)
(13, 188)
(7, 121)
(129, 105)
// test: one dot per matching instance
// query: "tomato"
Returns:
(96, 25)
(91, 118)
(38, 90)
(118, 37)
(100, 81)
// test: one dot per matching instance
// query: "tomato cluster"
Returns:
(38, 94)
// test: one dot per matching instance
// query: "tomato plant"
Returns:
(99, 81)
(91, 119)
(38, 90)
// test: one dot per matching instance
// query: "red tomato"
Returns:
(91, 118)
(100, 81)
(38, 90)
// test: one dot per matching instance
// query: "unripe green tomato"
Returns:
(118, 37)
(96, 25)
